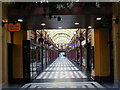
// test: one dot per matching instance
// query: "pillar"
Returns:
(0, 48)
(80, 50)
(116, 41)
(86, 65)
(101, 54)
(41, 51)
(5, 38)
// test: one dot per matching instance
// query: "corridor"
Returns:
(71, 44)
(62, 73)
(61, 68)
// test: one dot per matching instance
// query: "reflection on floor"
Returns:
(62, 73)
(64, 85)
(61, 68)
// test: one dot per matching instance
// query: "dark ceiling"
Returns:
(34, 14)
(28, 9)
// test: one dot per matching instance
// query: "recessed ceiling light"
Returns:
(59, 27)
(74, 32)
(20, 20)
(59, 18)
(89, 27)
(47, 1)
(42, 24)
(76, 23)
(98, 18)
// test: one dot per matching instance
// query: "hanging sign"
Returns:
(81, 38)
(14, 27)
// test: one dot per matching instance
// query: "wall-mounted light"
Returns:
(43, 24)
(98, 18)
(20, 20)
(4, 21)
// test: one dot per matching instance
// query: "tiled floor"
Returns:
(64, 85)
(62, 73)
(61, 68)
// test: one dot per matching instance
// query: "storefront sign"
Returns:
(14, 27)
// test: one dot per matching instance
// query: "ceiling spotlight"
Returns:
(42, 24)
(76, 23)
(98, 18)
(20, 20)
(59, 27)
(89, 27)
(47, 1)
(74, 32)
(59, 18)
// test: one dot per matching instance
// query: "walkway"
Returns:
(62, 73)
(61, 68)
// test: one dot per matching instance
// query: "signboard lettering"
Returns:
(12, 27)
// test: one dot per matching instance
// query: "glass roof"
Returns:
(61, 36)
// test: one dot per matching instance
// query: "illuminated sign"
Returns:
(14, 27)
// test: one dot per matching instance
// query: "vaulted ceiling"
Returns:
(61, 36)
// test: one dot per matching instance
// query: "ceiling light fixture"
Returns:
(98, 18)
(89, 27)
(42, 24)
(20, 20)
(76, 23)
(59, 27)
(59, 18)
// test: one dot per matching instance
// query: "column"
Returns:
(80, 49)
(0, 48)
(86, 49)
(116, 41)
(41, 51)
(101, 54)
(76, 52)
